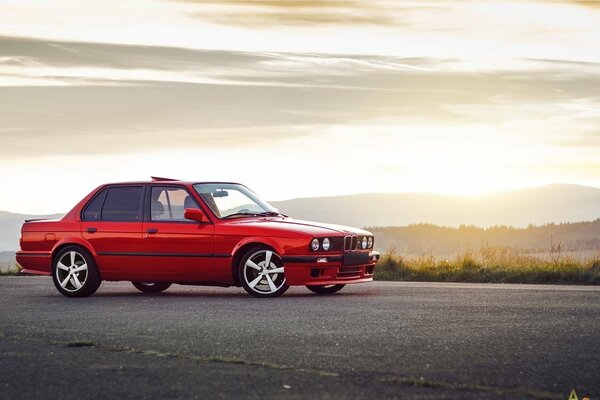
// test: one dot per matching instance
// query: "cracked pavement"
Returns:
(383, 339)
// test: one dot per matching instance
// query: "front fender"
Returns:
(274, 243)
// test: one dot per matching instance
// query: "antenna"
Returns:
(159, 179)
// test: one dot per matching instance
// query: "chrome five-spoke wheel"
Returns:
(72, 271)
(75, 273)
(263, 273)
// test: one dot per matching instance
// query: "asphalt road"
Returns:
(377, 340)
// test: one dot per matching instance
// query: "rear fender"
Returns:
(74, 240)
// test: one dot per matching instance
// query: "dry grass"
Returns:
(9, 269)
(491, 266)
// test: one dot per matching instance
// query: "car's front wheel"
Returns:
(151, 287)
(262, 273)
(325, 289)
(74, 272)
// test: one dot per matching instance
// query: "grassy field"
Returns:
(485, 265)
(9, 269)
(491, 266)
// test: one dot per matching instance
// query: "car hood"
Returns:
(307, 227)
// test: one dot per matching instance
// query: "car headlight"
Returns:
(314, 245)
(364, 243)
(326, 244)
(370, 244)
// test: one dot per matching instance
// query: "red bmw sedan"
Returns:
(166, 231)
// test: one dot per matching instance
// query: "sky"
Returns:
(297, 98)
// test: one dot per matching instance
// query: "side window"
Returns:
(123, 204)
(93, 210)
(169, 203)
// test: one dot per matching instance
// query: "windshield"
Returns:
(230, 200)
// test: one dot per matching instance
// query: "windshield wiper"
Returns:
(271, 214)
(242, 214)
(251, 214)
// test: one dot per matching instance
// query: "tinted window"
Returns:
(94, 208)
(122, 204)
(169, 203)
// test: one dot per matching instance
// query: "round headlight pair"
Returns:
(314, 245)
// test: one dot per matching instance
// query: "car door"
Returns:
(112, 224)
(181, 249)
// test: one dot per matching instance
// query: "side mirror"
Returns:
(195, 214)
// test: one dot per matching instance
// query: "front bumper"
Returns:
(316, 269)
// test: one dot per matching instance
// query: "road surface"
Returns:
(377, 340)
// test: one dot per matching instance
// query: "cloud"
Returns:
(585, 3)
(107, 98)
(67, 54)
(587, 139)
(296, 13)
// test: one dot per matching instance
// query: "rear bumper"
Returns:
(350, 267)
(35, 262)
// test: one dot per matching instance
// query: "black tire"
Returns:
(258, 282)
(75, 273)
(325, 289)
(151, 287)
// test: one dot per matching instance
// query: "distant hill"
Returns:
(7, 260)
(557, 203)
(580, 239)
(541, 205)
(10, 228)
(7, 257)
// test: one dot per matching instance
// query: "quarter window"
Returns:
(93, 210)
(169, 203)
(123, 204)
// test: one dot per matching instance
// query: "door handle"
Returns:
(152, 230)
(91, 230)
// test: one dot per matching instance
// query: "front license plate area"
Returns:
(356, 258)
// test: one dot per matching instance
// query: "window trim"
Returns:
(148, 198)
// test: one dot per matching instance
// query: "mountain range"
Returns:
(10, 228)
(555, 203)
(539, 205)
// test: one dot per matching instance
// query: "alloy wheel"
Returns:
(264, 273)
(72, 271)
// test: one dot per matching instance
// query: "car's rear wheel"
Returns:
(74, 272)
(325, 289)
(151, 287)
(262, 273)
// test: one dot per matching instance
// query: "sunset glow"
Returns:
(298, 99)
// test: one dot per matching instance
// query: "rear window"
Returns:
(122, 204)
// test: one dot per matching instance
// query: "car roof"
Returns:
(167, 181)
